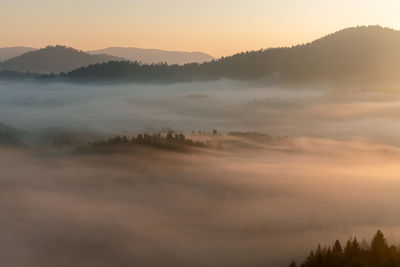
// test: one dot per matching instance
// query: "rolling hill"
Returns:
(149, 56)
(370, 53)
(354, 54)
(360, 54)
(10, 52)
(53, 59)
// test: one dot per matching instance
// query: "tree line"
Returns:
(343, 55)
(169, 141)
(354, 254)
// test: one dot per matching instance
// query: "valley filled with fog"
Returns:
(327, 169)
(318, 111)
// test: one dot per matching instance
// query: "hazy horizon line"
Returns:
(201, 51)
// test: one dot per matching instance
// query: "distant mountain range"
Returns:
(10, 52)
(362, 54)
(53, 59)
(355, 54)
(149, 56)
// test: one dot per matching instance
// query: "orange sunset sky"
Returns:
(217, 27)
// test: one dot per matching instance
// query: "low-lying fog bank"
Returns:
(212, 208)
(319, 111)
(244, 204)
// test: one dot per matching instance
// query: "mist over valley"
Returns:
(148, 157)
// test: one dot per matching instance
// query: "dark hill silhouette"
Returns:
(149, 56)
(10, 52)
(362, 53)
(53, 59)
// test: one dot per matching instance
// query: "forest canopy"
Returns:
(355, 254)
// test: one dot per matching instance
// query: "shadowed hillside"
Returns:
(149, 56)
(354, 54)
(53, 59)
(363, 52)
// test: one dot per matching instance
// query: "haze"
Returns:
(281, 132)
(249, 204)
(220, 28)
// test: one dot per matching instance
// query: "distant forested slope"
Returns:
(154, 56)
(53, 59)
(361, 54)
(368, 53)
(10, 52)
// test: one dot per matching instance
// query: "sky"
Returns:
(217, 27)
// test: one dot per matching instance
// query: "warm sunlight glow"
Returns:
(220, 28)
(201, 133)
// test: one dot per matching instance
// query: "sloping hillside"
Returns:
(10, 52)
(53, 59)
(361, 53)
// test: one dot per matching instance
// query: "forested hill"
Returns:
(367, 52)
(53, 59)
(363, 53)
(10, 52)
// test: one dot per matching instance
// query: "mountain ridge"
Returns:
(10, 52)
(370, 53)
(53, 59)
(362, 54)
(149, 56)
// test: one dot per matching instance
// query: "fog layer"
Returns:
(322, 111)
(230, 207)
(201, 209)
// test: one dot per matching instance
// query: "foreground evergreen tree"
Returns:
(354, 254)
